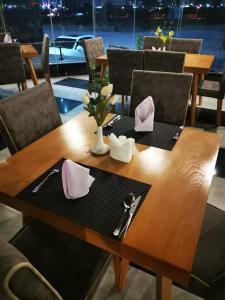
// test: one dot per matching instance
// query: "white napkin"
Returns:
(76, 180)
(144, 115)
(121, 148)
(7, 38)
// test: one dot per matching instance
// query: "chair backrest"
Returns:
(11, 64)
(20, 279)
(27, 116)
(165, 61)
(170, 93)
(92, 49)
(155, 41)
(121, 65)
(186, 45)
(2, 36)
(45, 54)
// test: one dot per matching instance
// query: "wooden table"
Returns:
(198, 64)
(28, 52)
(164, 234)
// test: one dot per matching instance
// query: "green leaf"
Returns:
(163, 37)
(171, 33)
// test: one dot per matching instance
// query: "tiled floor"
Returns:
(139, 284)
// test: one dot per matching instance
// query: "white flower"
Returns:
(86, 99)
(113, 99)
(107, 90)
(88, 94)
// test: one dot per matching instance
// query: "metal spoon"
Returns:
(128, 202)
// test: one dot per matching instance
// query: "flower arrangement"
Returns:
(164, 37)
(98, 100)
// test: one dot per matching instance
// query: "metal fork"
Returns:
(39, 186)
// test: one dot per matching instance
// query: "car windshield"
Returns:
(65, 43)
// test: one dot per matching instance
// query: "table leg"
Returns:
(194, 98)
(201, 77)
(120, 270)
(163, 288)
(32, 70)
(102, 73)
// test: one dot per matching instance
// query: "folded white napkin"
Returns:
(144, 115)
(7, 38)
(121, 148)
(76, 180)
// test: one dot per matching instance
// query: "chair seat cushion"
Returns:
(71, 265)
(209, 88)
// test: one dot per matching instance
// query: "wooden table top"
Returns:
(194, 63)
(164, 234)
(28, 51)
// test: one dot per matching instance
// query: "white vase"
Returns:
(99, 147)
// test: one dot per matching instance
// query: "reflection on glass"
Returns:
(119, 22)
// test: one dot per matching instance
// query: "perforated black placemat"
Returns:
(160, 137)
(100, 210)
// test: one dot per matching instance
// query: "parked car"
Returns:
(69, 46)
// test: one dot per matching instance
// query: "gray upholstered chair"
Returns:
(207, 278)
(170, 93)
(43, 68)
(165, 61)
(43, 263)
(155, 41)
(92, 49)
(11, 65)
(186, 45)
(213, 86)
(121, 65)
(27, 116)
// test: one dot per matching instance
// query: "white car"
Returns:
(69, 46)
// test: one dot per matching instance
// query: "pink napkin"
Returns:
(7, 38)
(144, 115)
(76, 180)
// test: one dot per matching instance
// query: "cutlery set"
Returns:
(130, 203)
(111, 122)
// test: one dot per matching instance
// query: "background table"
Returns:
(164, 234)
(198, 64)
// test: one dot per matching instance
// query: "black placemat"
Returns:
(100, 210)
(161, 136)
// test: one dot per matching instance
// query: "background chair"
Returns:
(170, 93)
(165, 61)
(11, 65)
(121, 65)
(155, 41)
(92, 49)
(186, 45)
(27, 116)
(213, 86)
(49, 264)
(43, 68)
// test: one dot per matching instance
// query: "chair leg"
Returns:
(47, 78)
(19, 88)
(24, 86)
(200, 99)
(219, 109)
(123, 97)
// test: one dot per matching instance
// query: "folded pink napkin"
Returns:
(7, 38)
(144, 115)
(76, 180)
